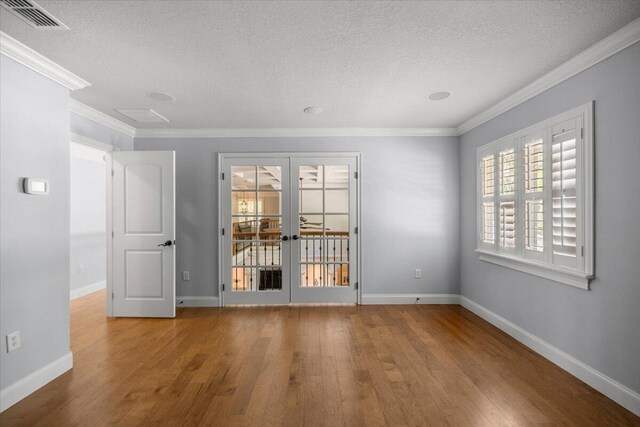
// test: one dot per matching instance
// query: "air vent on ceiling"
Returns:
(142, 115)
(33, 14)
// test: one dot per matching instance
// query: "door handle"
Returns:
(285, 238)
(295, 237)
(167, 243)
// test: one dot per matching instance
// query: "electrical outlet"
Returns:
(13, 341)
(185, 276)
(417, 274)
(80, 269)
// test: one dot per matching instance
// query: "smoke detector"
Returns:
(33, 14)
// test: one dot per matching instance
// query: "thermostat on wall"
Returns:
(35, 186)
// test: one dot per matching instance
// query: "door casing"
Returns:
(223, 156)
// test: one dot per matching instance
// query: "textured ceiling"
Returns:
(367, 64)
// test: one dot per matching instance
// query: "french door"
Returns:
(289, 229)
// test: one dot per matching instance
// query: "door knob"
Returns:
(285, 238)
(295, 237)
(167, 243)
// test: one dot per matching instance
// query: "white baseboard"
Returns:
(605, 385)
(380, 299)
(196, 301)
(24, 387)
(86, 290)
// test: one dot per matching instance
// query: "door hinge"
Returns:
(112, 295)
(356, 174)
(355, 230)
(582, 250)
(112, 174)
(582, 133)
(222, 231)
(222, 176)
(223, 287)
(113, 234)
(356, 285)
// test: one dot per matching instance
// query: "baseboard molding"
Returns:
(605, 385)
(197, 301)
(24, 387)
(381, 299)
(86, 290)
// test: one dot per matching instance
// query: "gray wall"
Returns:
(88, 222)
(89, 128)
(34, 230)
(600, 327)
(410, 212)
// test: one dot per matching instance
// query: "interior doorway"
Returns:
(289, 228)
(88, 230)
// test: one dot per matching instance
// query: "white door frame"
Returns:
(223, 156)
(108, 149)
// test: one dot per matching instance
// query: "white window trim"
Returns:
(517, 260)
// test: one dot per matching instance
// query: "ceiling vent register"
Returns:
(33, 14)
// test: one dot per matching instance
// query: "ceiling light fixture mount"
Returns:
(313, 110)
(439, 96)
(161, 96)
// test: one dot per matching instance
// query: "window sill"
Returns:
(575, 278)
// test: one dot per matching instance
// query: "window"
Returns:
(535, 199)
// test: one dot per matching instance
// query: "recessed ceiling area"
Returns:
(259, 64)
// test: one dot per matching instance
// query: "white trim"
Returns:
(86, 152)
(385, 299)
(27, 385)
(291, 154)
(220, 227)
(292, 132)
(90, 142)
(605, 385)
(621, 39)
(197, 301)
(578, 279)
(28, 57)
(86, 290)
(99, 117)
(108, 170)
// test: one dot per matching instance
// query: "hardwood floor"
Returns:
(332, 365)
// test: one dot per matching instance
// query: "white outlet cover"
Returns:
(185, 276)
(13, 341)
(418, 273)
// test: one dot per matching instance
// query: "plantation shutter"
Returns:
(533, 195)
(487, 214)
(507, 206)
(535, 199)
(565, 139)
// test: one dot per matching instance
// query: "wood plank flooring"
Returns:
(323, 365)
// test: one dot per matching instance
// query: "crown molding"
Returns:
(101, 118)
(621, 39)
(292, 132)
(28, 57)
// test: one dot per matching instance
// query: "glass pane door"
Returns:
(256, 258)
(324, 215)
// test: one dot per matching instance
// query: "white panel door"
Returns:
(256, 225)
(143, 220)
(324, 247)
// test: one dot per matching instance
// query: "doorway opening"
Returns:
(88, 225)
(289, 228)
